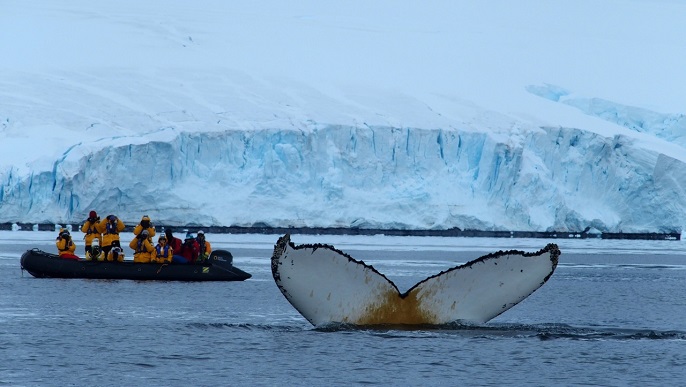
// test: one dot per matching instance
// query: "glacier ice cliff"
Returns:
(550, 179)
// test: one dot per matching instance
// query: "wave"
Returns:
(599, 334)
(641, 266)
(250, 327)
(542, 332)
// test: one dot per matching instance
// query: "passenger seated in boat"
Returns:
(172, 241)
(145, 224)
(95, 252)
(188, 252)
(163, 252)
(143, 250)
(110, 227)
(65, 246)
(116, 254)
(90, 228)
(204, 247)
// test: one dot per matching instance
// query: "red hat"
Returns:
(92, 214)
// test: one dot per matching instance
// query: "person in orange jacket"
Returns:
(65, 246)
(143, 250)
(163, 252)
(110, 227)
(90, 228)
(145, 224)
(205, 249)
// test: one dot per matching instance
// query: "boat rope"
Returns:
(160, 269)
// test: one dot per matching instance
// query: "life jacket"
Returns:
(161, 249)
(91, 228)
(111, 228)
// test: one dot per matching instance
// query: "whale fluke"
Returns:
(327, 286)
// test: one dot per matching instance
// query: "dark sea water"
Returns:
(605, 318)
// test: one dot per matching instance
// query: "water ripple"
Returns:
(542, 332)
(495, 331)
(248, 327)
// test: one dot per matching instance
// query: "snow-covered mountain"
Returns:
(491, 115)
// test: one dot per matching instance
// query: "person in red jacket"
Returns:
(188, 252)
(172, 241)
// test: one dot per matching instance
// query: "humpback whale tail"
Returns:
(328, 286)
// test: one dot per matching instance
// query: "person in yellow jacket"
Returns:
(163, 252)
(90, 228)
(110, 228)
(95, 254)
(205, 247)
(145, 224)
(143, 250)
(116, 254)
(65, 246)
